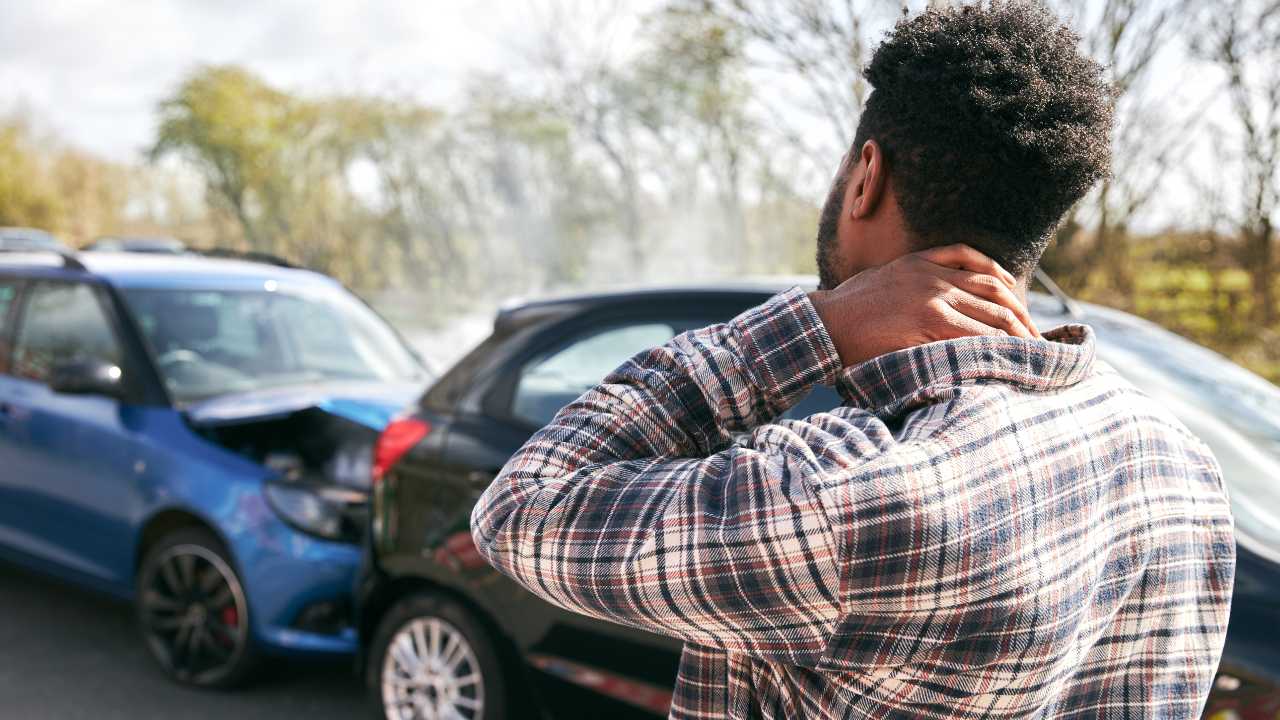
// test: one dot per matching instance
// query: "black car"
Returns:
(442, 628)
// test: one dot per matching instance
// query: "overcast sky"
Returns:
(93, 70)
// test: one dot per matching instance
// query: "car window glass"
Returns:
(553, 381)
(8, 291)
(62, 322)
(320, 340)
(822, 398)
(208, 343)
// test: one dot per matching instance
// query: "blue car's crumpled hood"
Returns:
(369, 404)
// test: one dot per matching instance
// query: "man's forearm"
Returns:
(620, 508)
(684, 399)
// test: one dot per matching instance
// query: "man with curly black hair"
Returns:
(991, 526)
(985, 125)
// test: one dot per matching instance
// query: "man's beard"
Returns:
(828, 229)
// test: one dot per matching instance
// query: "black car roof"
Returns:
(520, 313)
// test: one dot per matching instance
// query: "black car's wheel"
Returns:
(431, 658)
(192, 610)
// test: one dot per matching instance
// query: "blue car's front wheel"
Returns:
(192, 610)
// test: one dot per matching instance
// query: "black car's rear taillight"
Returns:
(396, 439)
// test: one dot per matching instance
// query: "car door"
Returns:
(67, 460)
(10, 499)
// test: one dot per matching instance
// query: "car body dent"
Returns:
(369, 404)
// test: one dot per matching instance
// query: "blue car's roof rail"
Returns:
(250, 255)
(69, 259)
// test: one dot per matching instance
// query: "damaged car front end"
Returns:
(317, 444)
(298, 381)
(313, 447)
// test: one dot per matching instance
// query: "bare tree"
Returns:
(663, 114)
(1242, 37)
(581, 78)
(813, 52)
(1127, 36)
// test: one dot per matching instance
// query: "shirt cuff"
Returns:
(787, 347)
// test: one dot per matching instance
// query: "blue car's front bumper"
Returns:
(288, 576)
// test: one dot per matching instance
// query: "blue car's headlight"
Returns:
(329, 512)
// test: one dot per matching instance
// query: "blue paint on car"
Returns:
(84, 477)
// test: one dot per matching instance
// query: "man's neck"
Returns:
(1022, 288)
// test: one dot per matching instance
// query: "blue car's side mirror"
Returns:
(87, 377)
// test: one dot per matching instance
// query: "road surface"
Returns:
(67, 653)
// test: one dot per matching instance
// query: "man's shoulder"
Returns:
(1102, 406)
(1152, 414)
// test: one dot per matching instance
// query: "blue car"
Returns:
(195, 435)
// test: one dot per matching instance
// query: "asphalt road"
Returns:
(67, 653)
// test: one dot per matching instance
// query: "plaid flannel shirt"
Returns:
(988, 528)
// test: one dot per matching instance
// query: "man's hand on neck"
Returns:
(935, 294)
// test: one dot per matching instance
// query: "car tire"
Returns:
(192, 611)
(464, 670)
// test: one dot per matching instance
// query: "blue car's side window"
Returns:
(8, 292)
(62, 322)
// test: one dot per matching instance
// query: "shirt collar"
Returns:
(898, 381)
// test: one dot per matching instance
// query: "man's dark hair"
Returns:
(992, 123)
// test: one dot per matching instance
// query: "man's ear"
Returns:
(870, 181)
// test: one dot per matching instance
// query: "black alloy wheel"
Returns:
(192, 611)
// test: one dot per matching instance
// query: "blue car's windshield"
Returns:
(214, 342)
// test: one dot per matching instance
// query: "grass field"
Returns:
(1210, 306)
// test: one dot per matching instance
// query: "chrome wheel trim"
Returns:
(182, 601)
(430, 672)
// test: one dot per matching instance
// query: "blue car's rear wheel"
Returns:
(192, 610)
